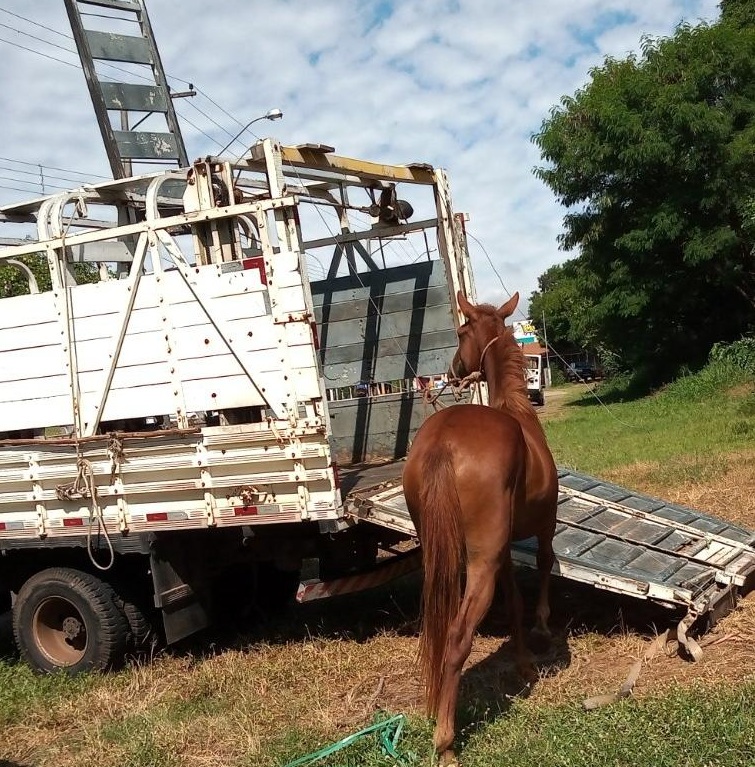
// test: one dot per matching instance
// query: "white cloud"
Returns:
(462, 85)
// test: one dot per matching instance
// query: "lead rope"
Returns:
(459, 386)
(84, 486)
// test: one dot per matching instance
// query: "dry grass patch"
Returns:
(722, 485)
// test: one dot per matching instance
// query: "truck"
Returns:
(180, 429)
(214, 370)
(535, 378)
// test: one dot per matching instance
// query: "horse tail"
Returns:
(442, 556)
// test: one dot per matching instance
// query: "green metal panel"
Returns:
(392, 325)
(379, 427)
(145, 145)
(357, 308)
(109, 46)
(137, 98)
(385, 324)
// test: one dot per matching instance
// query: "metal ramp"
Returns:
(622, 541)
(140, 98)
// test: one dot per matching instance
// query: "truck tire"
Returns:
(68, 620)
(142, 636)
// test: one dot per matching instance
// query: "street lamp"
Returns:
(273, 114)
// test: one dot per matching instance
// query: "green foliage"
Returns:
(738, 12)
(739, 353)
(557, 376)
(15, 282)
(22, 690)
(655, 162)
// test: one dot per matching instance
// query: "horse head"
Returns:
(484, 324)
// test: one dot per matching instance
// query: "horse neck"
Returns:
(504, 372)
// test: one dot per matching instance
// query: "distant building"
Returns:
(524, 333)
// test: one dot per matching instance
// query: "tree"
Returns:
(655, 161)
(738, 12)
(15, 282)
(563, 298)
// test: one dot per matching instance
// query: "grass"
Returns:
(696, 726)
(323, 671)
(688, 427)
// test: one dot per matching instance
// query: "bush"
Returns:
(557, 376)
(739, 353)
(714, 378)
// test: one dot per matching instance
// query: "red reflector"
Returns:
(256, 262)
(73, 522)
(158, 516)
(246, 511)
(2, 525)
(315, 336)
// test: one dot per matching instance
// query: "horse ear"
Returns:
(467, 309)
(508, 308)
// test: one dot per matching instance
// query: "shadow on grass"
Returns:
(7, 646)
(610, 393)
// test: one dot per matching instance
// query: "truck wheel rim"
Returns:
(60, 631)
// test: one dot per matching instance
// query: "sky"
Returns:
(460, 84)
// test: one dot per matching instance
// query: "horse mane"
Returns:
(510, 384)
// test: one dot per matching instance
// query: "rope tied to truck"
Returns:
(84, 486)
(458, 387)
(116, 453)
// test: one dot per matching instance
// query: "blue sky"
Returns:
(461, 84)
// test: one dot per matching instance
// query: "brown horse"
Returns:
(477, 478)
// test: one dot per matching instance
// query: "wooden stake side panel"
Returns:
(225, 348)
(217, 477)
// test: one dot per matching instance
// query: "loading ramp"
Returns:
(610, 537)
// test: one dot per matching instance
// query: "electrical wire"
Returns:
(356, 274)
(29, 183)
(550, 347)
(39, 53)
(116, 68)
(53, 167)
(18, 189)
(46, 176)
(35, 23)
(197, 128)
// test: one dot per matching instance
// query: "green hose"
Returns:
(388, 730)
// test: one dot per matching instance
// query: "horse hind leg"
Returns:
(523, 658)
(541, 634)
(478, 595)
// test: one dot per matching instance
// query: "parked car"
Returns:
(579, 371)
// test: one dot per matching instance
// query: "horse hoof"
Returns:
(528, 673)
(448, 759)
(540, 639)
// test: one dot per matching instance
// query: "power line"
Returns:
(29, 183)
(39, 175)
(39, 53)
(131, 73)
(197, 128)
(211, 119)
(18, 189)
(35, 23)
(52, 167)
(492, 266)
(111, 66)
